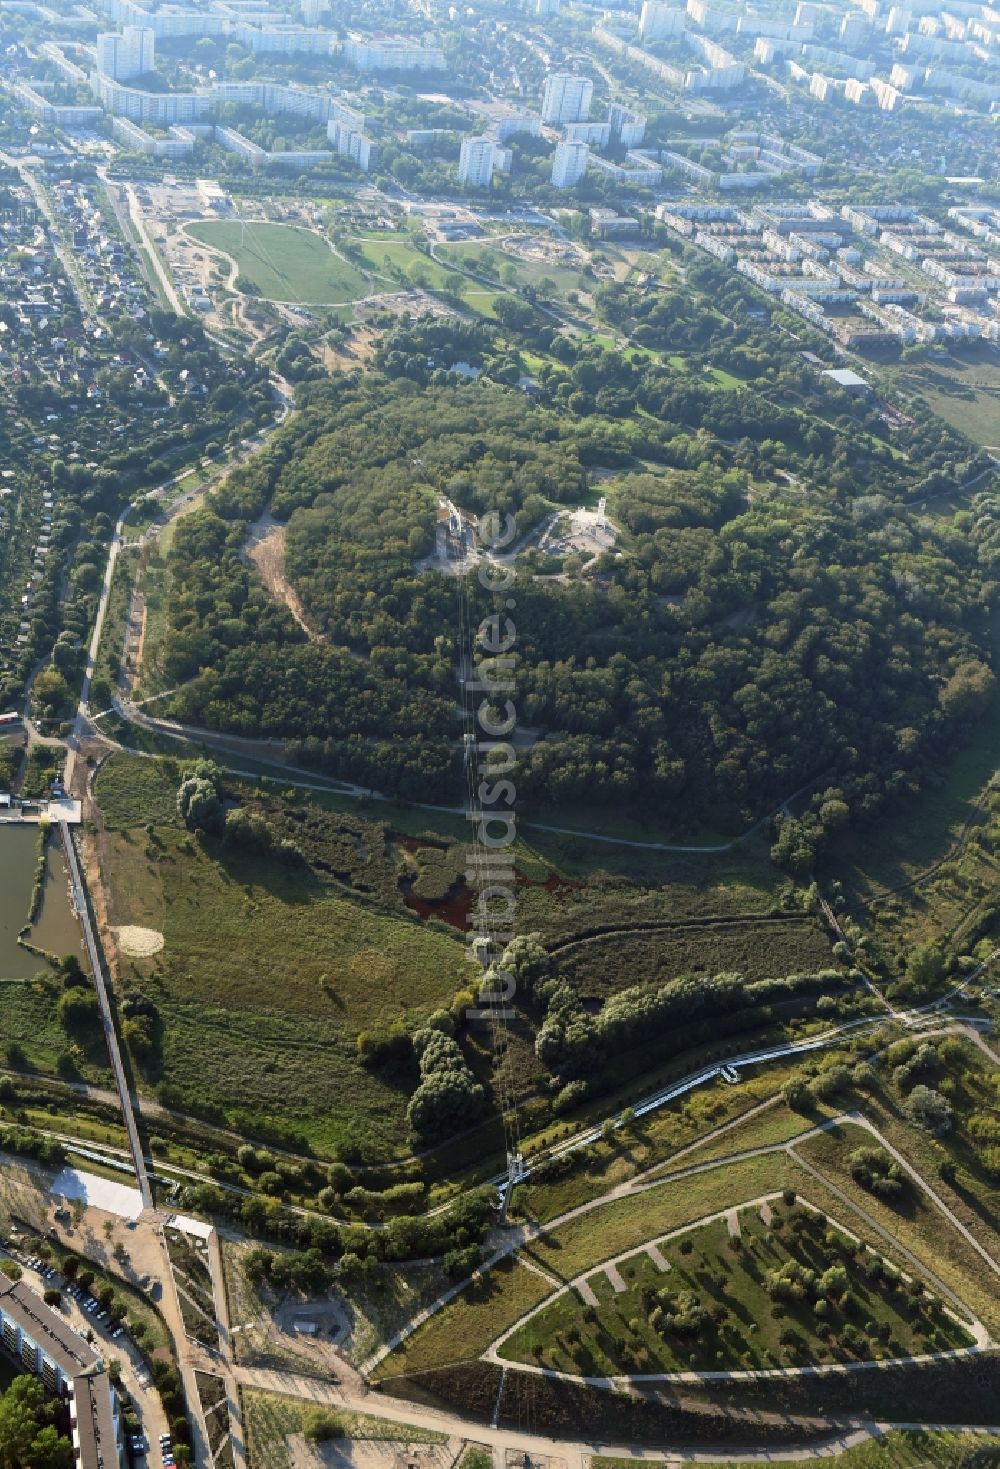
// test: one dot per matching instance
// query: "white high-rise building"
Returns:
(569, 164)
(136, 51)
(566, 98)
(476, 163)
(854, 27)
(107, 53)
(627, 125)
(125, 54)
(351, 143)
(658, 21)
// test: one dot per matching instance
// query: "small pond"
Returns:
(56, 927)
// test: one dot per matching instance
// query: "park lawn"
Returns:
(264, 982)
(521, 272)
(283, 262)
(748, 1329)
(481, 300)
(964, 390)
(133, 790)
(914, 1221)
(918, 1448)
(464, 1328)
(400, 258)
(623, 1224)
(269, 1419)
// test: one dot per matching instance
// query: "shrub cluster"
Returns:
(448, 1097)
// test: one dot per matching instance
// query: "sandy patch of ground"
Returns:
(345, 1453)
(356, 351)
(266, 550)
(138, 943)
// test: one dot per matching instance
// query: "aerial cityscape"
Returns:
(499, 734)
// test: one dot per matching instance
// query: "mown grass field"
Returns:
(749, 1330)
(778, 1124)
(660, 1134)
(489, 1305)
(283, 262)
(393, 255)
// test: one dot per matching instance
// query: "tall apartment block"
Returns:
(126, 53)
(569, 164)
(566, 98)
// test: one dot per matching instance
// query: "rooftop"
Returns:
(46, 1327)
(845, 378)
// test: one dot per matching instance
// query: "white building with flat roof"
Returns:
(597, 134)
(392, 53)
(657, 22)
(566, 98)
(287, 40)
(135, 139)
(478, 160)
(569, 164)
(350, 142)
(127, 53)
(627, 125)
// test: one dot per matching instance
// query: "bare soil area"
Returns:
(369, 1454)
(265, 548)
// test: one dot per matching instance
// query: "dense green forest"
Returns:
(763, 629)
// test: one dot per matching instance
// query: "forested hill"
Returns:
(751, 634)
